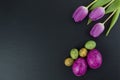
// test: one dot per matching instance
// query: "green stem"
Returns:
(92, 3)
(109, 3)
(114, 20)
(109, 17)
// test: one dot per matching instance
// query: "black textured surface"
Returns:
(36, 36)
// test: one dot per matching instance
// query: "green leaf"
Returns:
(99, 3)
(89, 21)
(113, 21)
(115, 5)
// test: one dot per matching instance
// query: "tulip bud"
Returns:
(97, 13)
(97, 30)
(80, 13)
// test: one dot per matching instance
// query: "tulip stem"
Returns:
(92, 3)
(109, 17)
(109, 3)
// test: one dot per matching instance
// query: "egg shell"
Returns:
(94, 59)
(83, 52)
(74, 53)
(68, 62)
(90, 44)
(79, 67)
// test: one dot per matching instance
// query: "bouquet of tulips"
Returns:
(97, 9)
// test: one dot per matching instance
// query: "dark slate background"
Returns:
(36, 36)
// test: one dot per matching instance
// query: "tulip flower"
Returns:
(99, 27)
(81, 12)
(98, 13)
(97, 30)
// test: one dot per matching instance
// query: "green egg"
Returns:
(74, 53)
(90, 44)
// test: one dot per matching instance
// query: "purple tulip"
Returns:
(97, 13)
(80, 13)
(97, 30)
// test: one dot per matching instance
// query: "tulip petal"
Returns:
(97, 13)
(97, 30)
(76, 11)
(80, 13)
